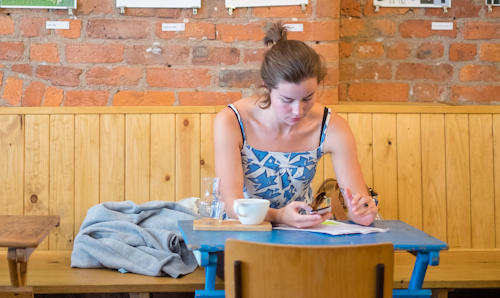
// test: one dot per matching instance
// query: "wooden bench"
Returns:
(434, 167)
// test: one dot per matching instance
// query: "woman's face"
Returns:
(292, 101)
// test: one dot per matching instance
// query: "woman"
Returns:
(268, 146)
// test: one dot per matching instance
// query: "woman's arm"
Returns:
(341, 143)
(228, 142)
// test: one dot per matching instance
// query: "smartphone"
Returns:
(321, 211)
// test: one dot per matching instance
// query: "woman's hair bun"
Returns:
(275, 33)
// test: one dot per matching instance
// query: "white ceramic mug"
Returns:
(251, 211)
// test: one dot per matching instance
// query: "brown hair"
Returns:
(288, 60)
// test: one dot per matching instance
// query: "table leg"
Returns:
(209, 261)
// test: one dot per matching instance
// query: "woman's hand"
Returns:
(290, 215)
(362, 208)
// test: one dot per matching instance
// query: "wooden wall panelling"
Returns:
(163, 157)
(409, 169)
(137, 157)
(112, 158)
(433, 175)
(207, 155)
(62, 180)
(187, 158)
(496, 175)
(458, 180)
(12, 159)
(385, 163)
(86, 165)
(482, 194)
(362, 129)
(36, 168)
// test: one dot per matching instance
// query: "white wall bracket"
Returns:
(445, 4)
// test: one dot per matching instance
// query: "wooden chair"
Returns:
(268, 270)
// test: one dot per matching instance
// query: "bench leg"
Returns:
(17, 257)
(138, 295)
(11, 292)
(439, 293)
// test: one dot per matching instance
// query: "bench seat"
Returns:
(49, 272)
(457, 269)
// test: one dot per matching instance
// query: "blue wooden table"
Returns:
(403, 236)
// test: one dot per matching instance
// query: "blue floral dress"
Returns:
(280, 177)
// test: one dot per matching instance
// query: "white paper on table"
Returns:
(333, 227)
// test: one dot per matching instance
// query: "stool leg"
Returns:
(23, 272)
(13, 268)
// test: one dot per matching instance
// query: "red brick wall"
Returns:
(102, 59)
(393, 55)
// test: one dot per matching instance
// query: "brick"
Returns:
(26, 69)
(415, 71)
(215, 9)
(143, 98)
(345, 49)
(378, 91)
(170, 55)
(118, 29)
(352, 27)
(430, 50)
(495, 13)
(86, 98)
(462, 51)
(383, 11)
(44, 52)
(94, 53)
(178, 78)
(12, 51)
(459, 9)
(317, 31)
(328, 95)
(33, 26)
(370, 49)
(398, 51)
(294, 11)
(327, 8)
(422, 28)
(485, 73)
(253, 55)
(74, 31)
(204, 98)
(482, 30)
(343, 92)
(1, 78)
(59, 75)
(490, 52)
(236, 32)
(366, 71)
(154, 12)
(329, 51)
(95, 7)
(239, 78)
(6, 25)
(204, 55)
(348, 8)
(33, 95)
(426, 92)
(385, 27)
(53, 97)
(198, 31)
(13, 90)
(118, 76)
(332, 76)
(475, 93)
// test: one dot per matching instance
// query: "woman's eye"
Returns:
(286, 100)
(307, 98)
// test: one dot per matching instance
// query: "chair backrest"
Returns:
(270, 270)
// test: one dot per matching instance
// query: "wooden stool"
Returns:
(22, 234)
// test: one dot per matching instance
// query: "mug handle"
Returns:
(237, 210)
